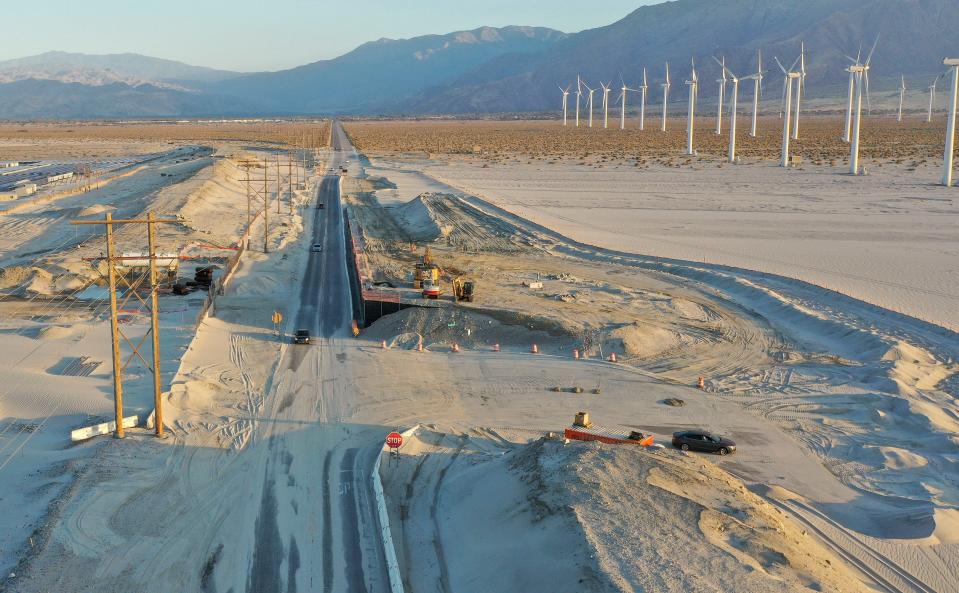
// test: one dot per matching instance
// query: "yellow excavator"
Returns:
(463, 289)
(426, 270)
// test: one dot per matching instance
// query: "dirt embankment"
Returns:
(574, 517)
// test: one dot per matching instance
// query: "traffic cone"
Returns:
(702, 383)
(495, 347)
(383, 345)
(456, 347)
(576, 354)
(534, 349)
(419, 347)
(612, 357)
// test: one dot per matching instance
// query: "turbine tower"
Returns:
(665, 86)
(788, 77)
(932, 97)
(642, 104)
(606, 89)
(757, 90)
(590, 103)
(849, 96)
(622, 106)
(800, 87)
(693, 84)
(579, 94)
(860, 73)
(565, 103)
(902, 98)
(722, 95)
(953, 64)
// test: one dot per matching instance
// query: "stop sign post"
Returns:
(394, 440)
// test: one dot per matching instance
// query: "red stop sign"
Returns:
(394, 440)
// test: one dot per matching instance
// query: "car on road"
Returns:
(302, 336)
(700, 440)
(316, 248)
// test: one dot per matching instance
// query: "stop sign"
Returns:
(394, 440)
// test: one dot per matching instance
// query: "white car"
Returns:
(316, 248)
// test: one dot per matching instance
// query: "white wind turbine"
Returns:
(789, 77)
(693, 84)
(722, 95)
(590, 102)
(565, 103)
(642, 104)
(849, 96)
(606, 89)
(622, 105)
(733, 107)
(953, 64)
(902, 98)
(579, 94)
(932, 97)
(757, 90)
(860, 73)
(800, 86)
(665, 86)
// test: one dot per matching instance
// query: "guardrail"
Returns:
(386, 534)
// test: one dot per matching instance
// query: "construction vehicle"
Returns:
(584, 430)
(431, 290)
(426, 270)
(463, 289)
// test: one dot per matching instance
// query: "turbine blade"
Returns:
(873, 50)
(780, 64)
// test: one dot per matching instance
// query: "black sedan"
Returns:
(699, 440)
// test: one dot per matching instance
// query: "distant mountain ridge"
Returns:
(511, 69)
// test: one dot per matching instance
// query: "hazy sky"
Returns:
(256, 35)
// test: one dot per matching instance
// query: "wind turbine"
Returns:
(932, 97)
(733, 106)
(579, 94)
(902, 98)
(642, 104)
(757, 90)
(565, 103)
(591, 91)
(789, 77)
(606, 89)
(849, 95)
(722, 95)
(693, 84)
(799, 88)
(953, 64)
(861, 74)
(665, 86)
(622, 106)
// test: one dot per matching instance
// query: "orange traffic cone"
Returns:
(612, 357)
(383, 344)
(495, 347)
(534, 349)
(702, 383)
(419, 347)
(456, 347)
(576, 354)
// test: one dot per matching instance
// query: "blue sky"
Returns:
(250, 35)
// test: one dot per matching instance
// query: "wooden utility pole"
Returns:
(276, 158)
(114, 332)
(154, 306)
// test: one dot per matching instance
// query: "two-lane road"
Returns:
(316, 528)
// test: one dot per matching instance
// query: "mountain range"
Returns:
(509, 69)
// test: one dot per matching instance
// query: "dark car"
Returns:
(302, 336)
(699, 440)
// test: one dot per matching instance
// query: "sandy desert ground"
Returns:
(844, 410)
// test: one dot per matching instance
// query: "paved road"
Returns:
(317, 464)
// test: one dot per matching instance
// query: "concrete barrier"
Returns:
(389, 551)
(88, 432)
